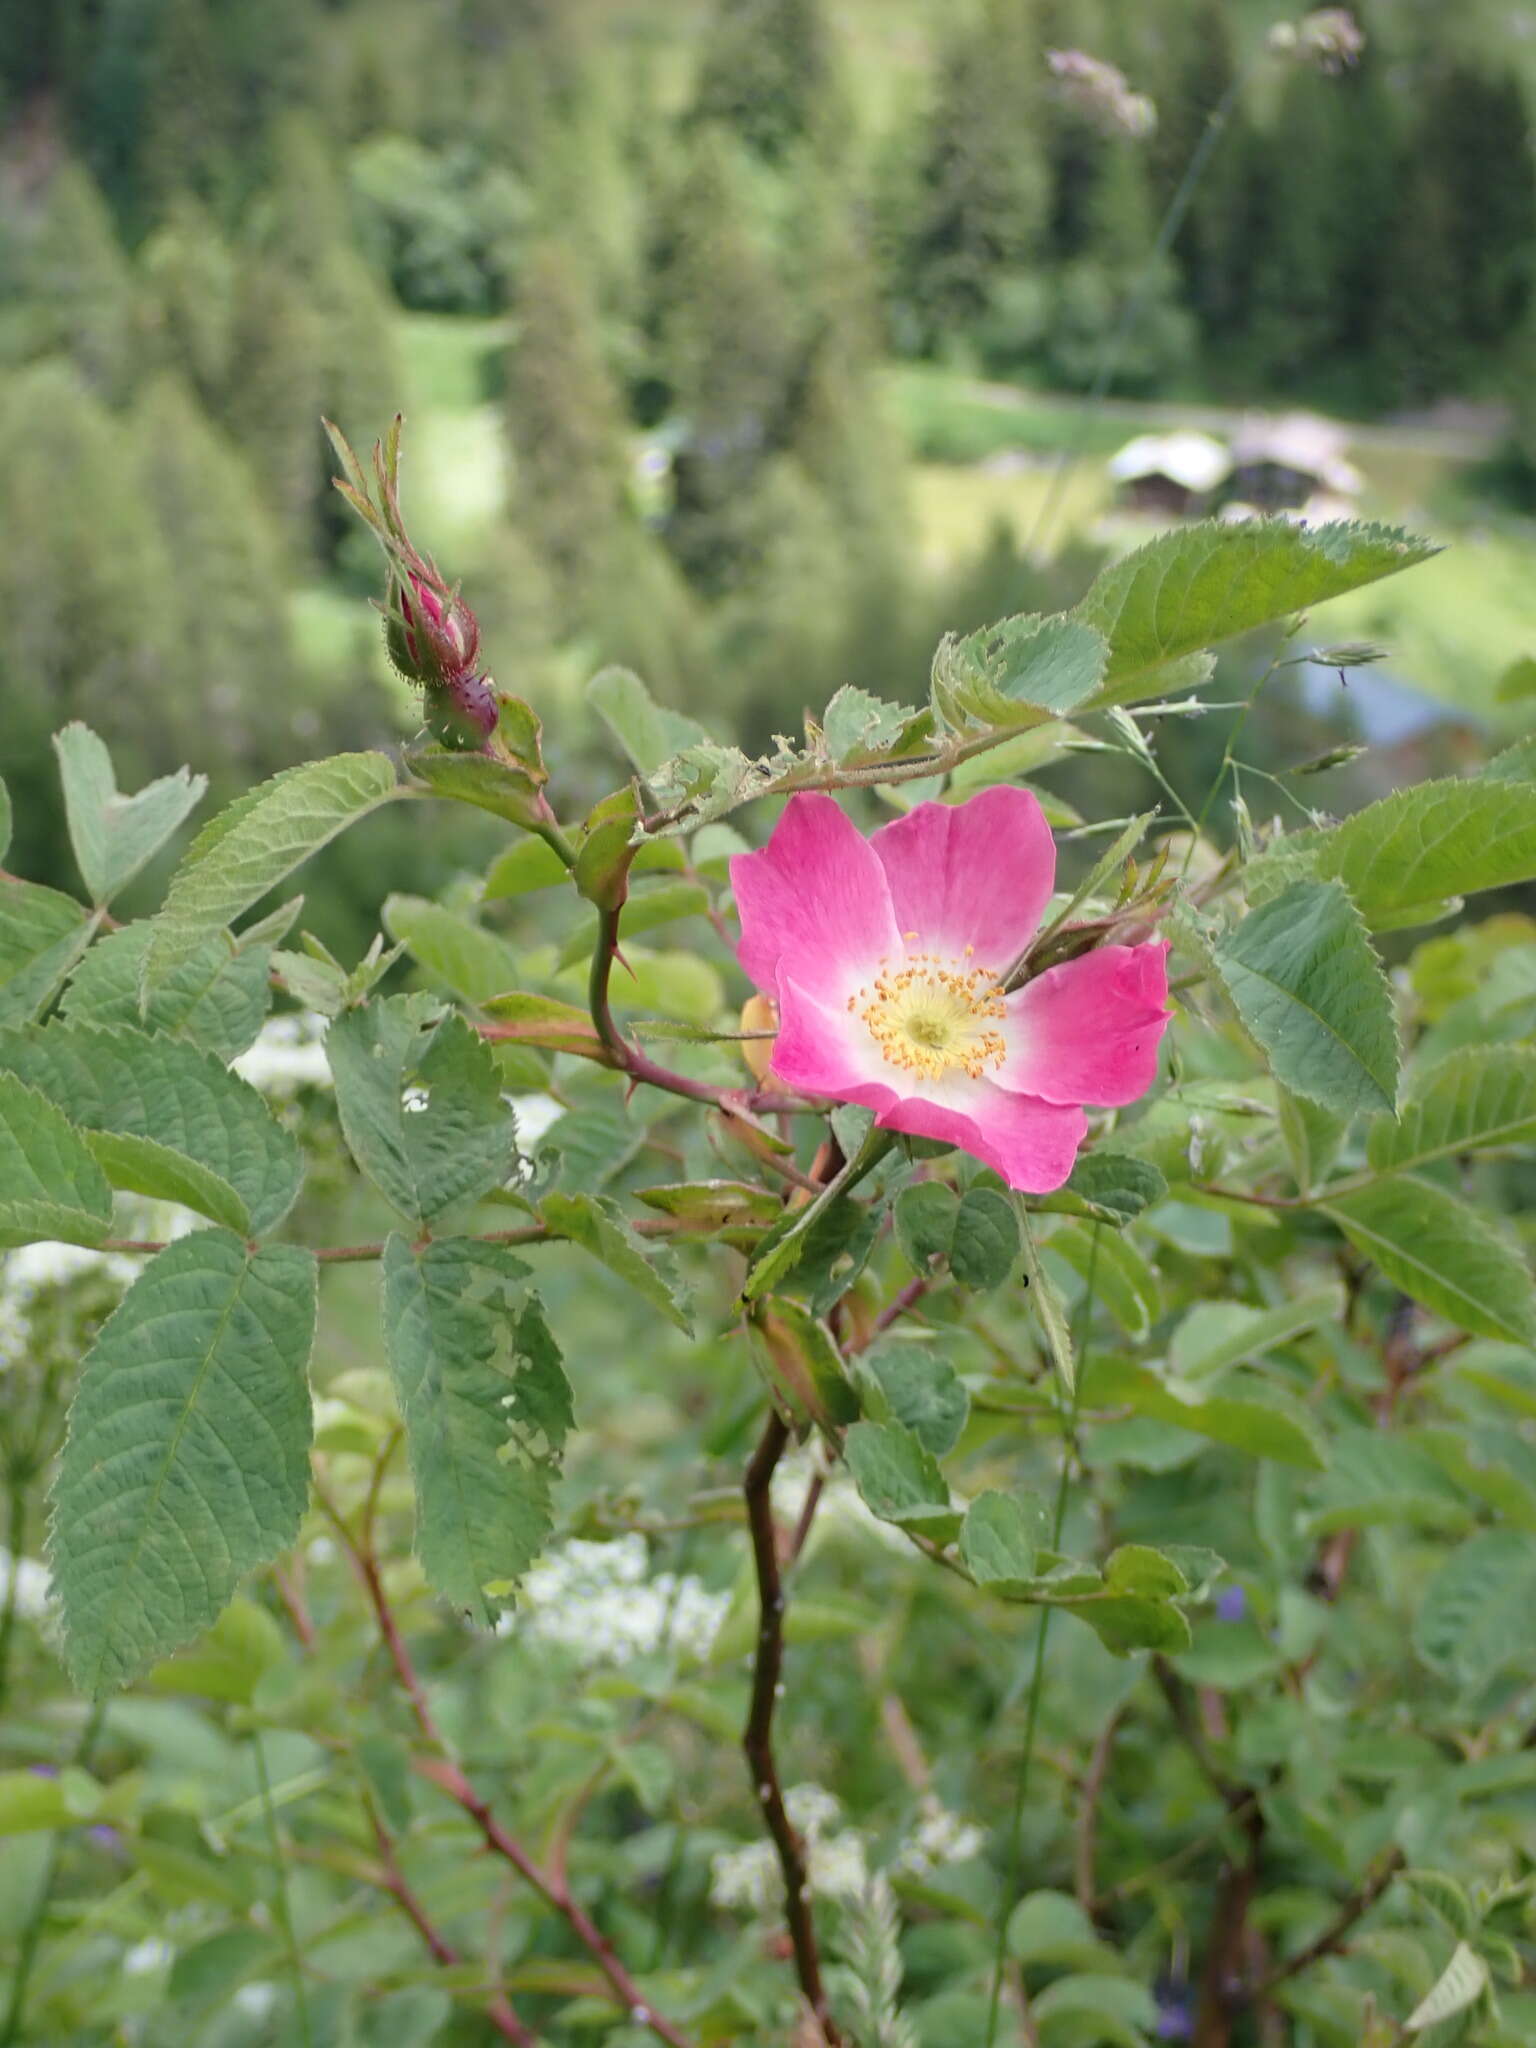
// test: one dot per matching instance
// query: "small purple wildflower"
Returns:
(1231, 1604)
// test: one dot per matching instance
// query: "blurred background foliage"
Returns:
(743, 341)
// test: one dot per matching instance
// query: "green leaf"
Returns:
(899, 1480)
(1460, 1984)
(920, 1389)
(1375, 1481)
(924, 1219)
(526, 865)
(1109, 1187)
(986, 1239)
(856, 725)
(1049, 1308)
(598, 1226)
(1441, 1252)
(1248, 1414)
(251, 846)
(1218, 1334)
(165, 1120)
(187, 1460)
(486, 1408)
(1477, 1099)
(50, 1185)
(5, 820)
(1303, 977)
(450, 1139)
(463, 958)
(1474, 1617)
(114, 835)
(1198, 585)
(647, 731)
(997, 1540)
(1311, 1134)
(1050, 1927)
(798, 1358)
(481, 780)
(1123, 1280)
(644, 912)
(1117, 2012)
(1402, 859)
(977, 1232)
(216, 999)
(42, 935)
(31, 1804)
(1017, 673)
(710, 1205)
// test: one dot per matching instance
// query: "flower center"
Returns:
(932, 1014)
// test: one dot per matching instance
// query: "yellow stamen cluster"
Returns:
(932, 1014)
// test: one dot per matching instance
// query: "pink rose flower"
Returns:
(886, 957)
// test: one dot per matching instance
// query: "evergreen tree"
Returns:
(769, 73)
(86, 582)
(729, 346)
(229, 620)
(567, 424)
(980, 205)
(189, 109)
(276, 394)
(78, 284)
(1476, 132)
(187, 297)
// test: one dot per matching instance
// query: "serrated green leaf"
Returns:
(420, 1101)
(250, 847)
(1198, 585)
(486, 1409)
(42, 936)
(986, 1239)
(1480, 1098)
(1109, 1187)
(800, 1361)
(924, 1219)
(899, 1480)
(114, 835)
(598, 1226)
(488, 784)
(216, 999)
(462, 957)
(1248, 1414)
(647, 731)
(1303, 977)
(1218, 1334)
(1460, 1984)
(1474, 1617)
(50, 1184)
(855, 724)
(997, 1540)
(1018, 672)
(191, 1125)
(1375, 1480)
(187, 1460)
(1440, 1251)
(1403, 858)
(919, 1388)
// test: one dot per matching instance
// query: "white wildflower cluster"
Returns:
(837, 1864)
(1329, 38)
(940, 1837)
(289, 1054)
(748, 1879)
(601, 1601)
(1102, 93)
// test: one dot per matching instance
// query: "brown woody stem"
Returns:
(757, 1741)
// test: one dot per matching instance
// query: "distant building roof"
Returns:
(1195, 461)
(1301, 441)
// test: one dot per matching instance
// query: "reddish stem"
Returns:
(758, 1739)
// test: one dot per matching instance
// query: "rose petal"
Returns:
(1032, 1144)
(976, 874)
(1089, 1030)
(814, 903)
(822, 1049)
